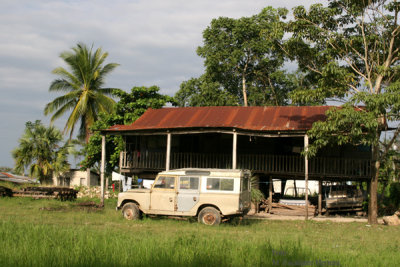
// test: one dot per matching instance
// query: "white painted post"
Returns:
(320, 197)
(102, 167)
(88, 177)
(270, 194)
(306, 172)
(234, 151)
(168, 154)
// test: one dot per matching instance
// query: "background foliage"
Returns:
(128, 109)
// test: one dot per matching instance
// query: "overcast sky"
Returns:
(155, 42)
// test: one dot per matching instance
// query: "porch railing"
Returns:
(148, 160)
(274, 164)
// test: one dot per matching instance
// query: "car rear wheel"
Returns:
(131, 211)
(209, 216)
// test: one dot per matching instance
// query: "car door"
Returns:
(163, 195)
(188, 192)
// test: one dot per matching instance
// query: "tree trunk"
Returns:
(373, 197)
(87, 136)
(244, 90)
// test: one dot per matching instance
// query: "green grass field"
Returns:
(54, 233)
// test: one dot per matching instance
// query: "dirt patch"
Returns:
(53, 208)
(281, 217)
(89, 206)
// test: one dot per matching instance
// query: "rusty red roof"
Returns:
(287, 118)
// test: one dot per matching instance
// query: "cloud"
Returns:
(155, 42)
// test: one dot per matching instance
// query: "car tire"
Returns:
(131, 211)
(209, 216)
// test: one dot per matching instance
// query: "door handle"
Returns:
(194, 198)
(170, 199)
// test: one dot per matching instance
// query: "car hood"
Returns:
(138, 190)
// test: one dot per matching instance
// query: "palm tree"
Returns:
(40, 152)
(84, 95)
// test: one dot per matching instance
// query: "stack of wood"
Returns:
(62, 193)
(282, 209)
(5, 192)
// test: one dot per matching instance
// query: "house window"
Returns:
(221, 184)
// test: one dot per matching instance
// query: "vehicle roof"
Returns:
(234, 173)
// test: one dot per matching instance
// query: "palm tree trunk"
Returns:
(88, 169)
(87, 136)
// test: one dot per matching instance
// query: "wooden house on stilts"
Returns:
(266, 140)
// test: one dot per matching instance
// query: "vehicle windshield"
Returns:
(167, 182)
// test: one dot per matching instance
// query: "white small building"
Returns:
(76, 177)
(300, 187)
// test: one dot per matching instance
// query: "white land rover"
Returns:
(209, 194)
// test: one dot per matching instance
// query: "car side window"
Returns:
(191, 183)
(223, 184)
(166, 182)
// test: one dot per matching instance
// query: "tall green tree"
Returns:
(242, 55)
(84, 96)
(41, 152)
(127, 110)
(202, 91)
(351, 49)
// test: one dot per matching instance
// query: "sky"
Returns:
(154, 41)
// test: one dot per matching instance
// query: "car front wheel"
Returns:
(209, 216)
(131, 211)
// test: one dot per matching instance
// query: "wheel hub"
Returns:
(128, 214)
(209, 219)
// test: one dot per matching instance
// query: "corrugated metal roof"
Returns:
(9, 177)
(288, 118)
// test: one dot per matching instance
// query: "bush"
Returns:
(391, 199)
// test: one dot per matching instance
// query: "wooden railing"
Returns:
(199, 160)
(274, 164)
(148, 160)
(344, 167)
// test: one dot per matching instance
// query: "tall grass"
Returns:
(48, 245)
(65, 235)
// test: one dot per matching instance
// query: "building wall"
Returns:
(75, 178)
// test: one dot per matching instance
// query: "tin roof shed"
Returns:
(263, 119)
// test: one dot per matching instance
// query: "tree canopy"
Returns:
(243, 63)
(83, 85)
(202, 91)
(41, 151)
(350, 49)
(128, 109)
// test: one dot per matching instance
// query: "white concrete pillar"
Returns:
(168, 153)
(306, 172)
(234, 150)
(102, 167)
